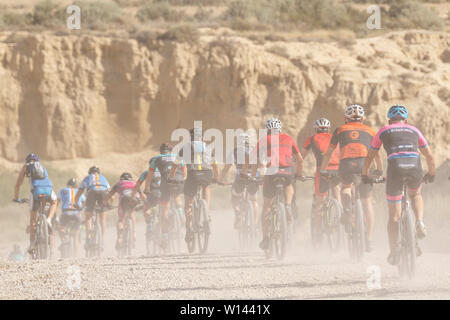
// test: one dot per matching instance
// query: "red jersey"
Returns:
(319, 143)
(279, 148)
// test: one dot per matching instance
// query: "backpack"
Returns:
(35, 170)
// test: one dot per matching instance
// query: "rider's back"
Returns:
(354, 139)
(96, 182)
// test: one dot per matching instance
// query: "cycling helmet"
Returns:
(398, 112)
(322, 123)
(273, 124)
(165, 148)
(93, 170)
(354, 112)
(243, 139)
(126, 176)
(72, 182)
(31, 157)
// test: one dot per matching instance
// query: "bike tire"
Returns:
(280, 231)
(204, 230)
(333, 225)
(251, 227)
(43, 239)
(408, 246)
(191, 245)
(359, 234)
(98, 239)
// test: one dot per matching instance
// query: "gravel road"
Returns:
(226, 273)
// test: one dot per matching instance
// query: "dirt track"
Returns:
(226, 274)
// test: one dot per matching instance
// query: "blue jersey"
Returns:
(95, 181)
(67, 198)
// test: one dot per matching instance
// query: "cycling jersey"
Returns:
(354, 139)
(67, 198)
(96, 182)
(163, 163)
(201, 158)
(319, 143)
(41, 188)
(278, 149)
(400, 140)
(124, 188)
(156, 179)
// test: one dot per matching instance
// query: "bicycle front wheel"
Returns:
(43, 244)
(332, 225)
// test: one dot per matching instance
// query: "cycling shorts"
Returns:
(288, 178)
(152, 198)
(350, 170)
(322, 185)
(397, 170)
(34, 201)
(196, 178)
(71, 218)
(126, 204)
(95, 198)
(239, 185)
(168, 190)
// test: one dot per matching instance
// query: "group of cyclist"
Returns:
(345, 155)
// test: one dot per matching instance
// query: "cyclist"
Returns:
(153, 195)
(97, 187)
(163, 163)
(202, 170)
(402, 143)
(239, 156)
(127, 202)
(281, 152)
(354, 139)
(41, 190)
(70, 211)
(318, 144)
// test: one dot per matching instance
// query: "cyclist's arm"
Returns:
(327, 157)
(78, 195)
(373, 154)
(109, 195)
(148, 180)
(174, 170)
(137, 188)
(378, 162)
(224, 172)
(19, 183)
(430, 160)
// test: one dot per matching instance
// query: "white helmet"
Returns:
(243, 139)
(273, 123)
(354, 112)
(322, 123)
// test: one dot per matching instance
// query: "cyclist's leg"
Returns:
(414, 184)
(269, 192)
(288, 195)
(252, 190)
(34, 206)
(90, 204)
(347, 170)
(164, 206)
(365, 191)
(394, 189)
(189, 190)
(237, 192)
(120, 220)
(53, 205)
(76, 233)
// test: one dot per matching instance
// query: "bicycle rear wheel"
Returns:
(204, 227)
(359, 234)
(407, 263)
(98, 239)
(279, 235)
(43, 238)
(332, 224)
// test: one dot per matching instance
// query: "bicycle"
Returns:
(329, 224)
(127, 245)
(94, 237)
(67, 240)
(355, 226)
(41, 244)
(407, 240)
(152, 230)
(200, 224)
(176, 225)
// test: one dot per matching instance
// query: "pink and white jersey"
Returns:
(124, 187)
(400, 140)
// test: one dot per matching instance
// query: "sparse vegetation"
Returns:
(158, 11)
(98, 15)
(182, 33)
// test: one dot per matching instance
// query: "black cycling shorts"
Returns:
(74, 218)
(397, 170)
(95, 198)
(322, 185)
(287, 176)
(168, 190)
(196, 178)
(239, 185)
(153, 198)
(350, 170)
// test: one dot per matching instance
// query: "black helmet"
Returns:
(126, 176)
(93, 170)
(165, 147)
(72, 182)
(31, 157)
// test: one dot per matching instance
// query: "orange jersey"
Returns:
(354, 139)
(319, 143)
